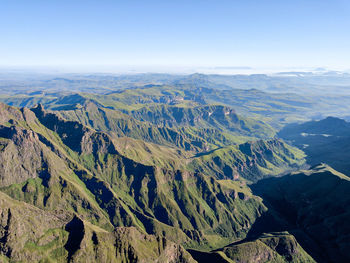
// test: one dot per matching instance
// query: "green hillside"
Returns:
(250, 160)
(68, 166)
(159, 174)
(275, 107)
(273, 247)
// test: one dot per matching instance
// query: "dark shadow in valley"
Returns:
(76, 234)
(206, 153)
(297, 204)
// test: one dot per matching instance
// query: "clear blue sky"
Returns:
(253, 33)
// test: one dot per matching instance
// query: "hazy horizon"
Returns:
(121, 70)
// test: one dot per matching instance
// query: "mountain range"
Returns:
(171, 173)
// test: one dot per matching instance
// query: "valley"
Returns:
(187, 170)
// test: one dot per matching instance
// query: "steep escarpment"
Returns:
(189, 128)
(251, 160)
(199, 135)
(30, 234)
(73, 134)
(74, 168)
(209, 116)
(32, 172)
(186, 116)
(119, 124)
(123, 188)
(157, 200)
(21, 155)
(21, 224)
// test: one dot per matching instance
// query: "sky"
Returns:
(175, 33)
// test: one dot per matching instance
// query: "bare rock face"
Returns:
(8, 113)
(30, 234)
(75, 135)
(50, 218)
(21, 155)
(133, 246)
(67, 195)
(21, 224)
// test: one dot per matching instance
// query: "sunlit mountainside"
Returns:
(169, 168)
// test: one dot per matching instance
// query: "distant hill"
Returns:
(276, 108)
(174, 168)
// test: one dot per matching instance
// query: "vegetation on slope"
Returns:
(251, 160)
(272, 247)
(74, 168)
(30, 234)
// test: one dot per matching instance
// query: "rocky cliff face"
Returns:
(73, 134)
(31, 234)
(22, 224)
(21, 157)
(65, 166)
(68, 194)
(251, 160)
(119, 124)
(209, 116)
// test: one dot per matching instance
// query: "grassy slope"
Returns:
(273, 247)
(251, 160)
(189, 208)
(277, 109)
(312, 205)
(210, 116)
(277, 157)
(96, 168)
(30, 234)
